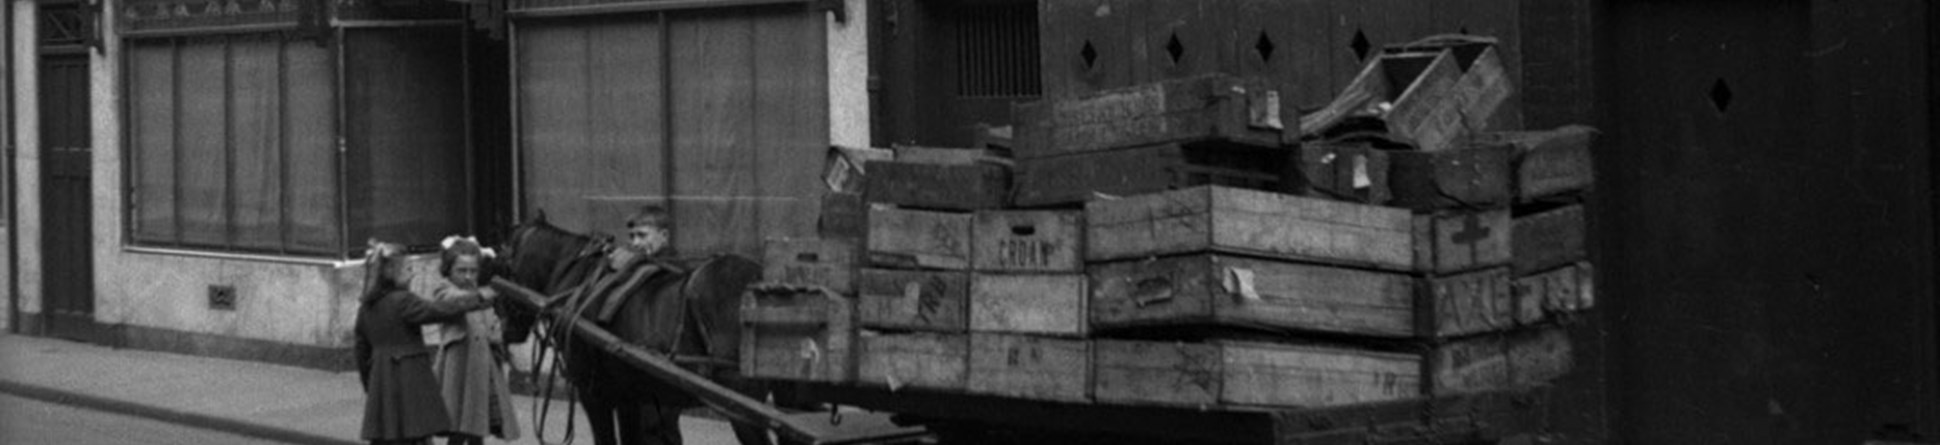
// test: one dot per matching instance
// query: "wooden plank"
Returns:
(948, 155)
(1080, 177)
(1564, 290)
(1315, 376)
(1203, 108)
(1549, 163)
(811, 262)
(1550, 239)
(798, 335)
(1232, 290)
(1027, 367)
(1052, 304)
(920, 360)
(1027, 241)
(1293, 227)
(938, 186)
(918, 300)
(1215, 289)
(919, 239)
(843, 168)
(1156, 373)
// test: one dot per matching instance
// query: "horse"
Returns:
(691, 313)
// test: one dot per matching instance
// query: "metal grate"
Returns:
(997, 52)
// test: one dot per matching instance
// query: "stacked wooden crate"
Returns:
(1174, 244)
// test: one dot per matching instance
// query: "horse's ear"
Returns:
(539, 215)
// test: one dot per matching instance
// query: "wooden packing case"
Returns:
(1214, 107)
(1237, 373)
(1431, 93)
(797, 334)
(914, 300)
(829, 263)
(1076, 178)
(1227, 290)
(1046, 304)
(919, 360)
(1273, 225)
(1472, 176)
(1027, 241)
(1030, 367)
(912, 239)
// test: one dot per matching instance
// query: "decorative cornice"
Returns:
(140, 17)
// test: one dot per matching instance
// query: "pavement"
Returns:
(278, 403)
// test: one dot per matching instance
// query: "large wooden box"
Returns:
(1028, 241)
(1550, 239)
(920, 360)
(843, 168)
(1431, 93)
(1278, 375)
(1217, 289)
(1050, 304)
(1564, 290)
(1466, 177)
(1549, 163)
(1030, 367)
(1274, 225)
(797, 335)
(914, 299)
(1076, 178)
(968, 186)
(811, 262)
(906, 238)
(844, 216)
(1203, 108)
(1539, 356)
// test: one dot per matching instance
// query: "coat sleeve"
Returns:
(417, 310)
(363, 351)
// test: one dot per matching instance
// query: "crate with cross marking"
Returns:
(1267, 224)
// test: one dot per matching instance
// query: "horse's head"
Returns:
(535, 252)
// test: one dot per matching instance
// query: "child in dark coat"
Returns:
(402, 402)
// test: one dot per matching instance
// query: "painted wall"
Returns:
(848, 71)
(27, 156)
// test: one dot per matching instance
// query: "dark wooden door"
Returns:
(66, 221)
(1767, 222)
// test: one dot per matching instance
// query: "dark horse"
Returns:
(691, 313)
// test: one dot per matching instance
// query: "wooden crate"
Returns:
(1550, 239)
(1274, 225)
(919, 239)
(1217, 289)
(1050, 304)
(1466, 177)
(1431, 93)
(1549, 163)
(1563, 290)
(914, 299)
(844, 167)
(1278, 375)
(1539, 356)
(938, 185)
(844, 216)
(920, 360)
(1076, 178)
(811, 262)
(805, 336)
(1029, 367)
(1201, 108)
(1346, 171)
(1027, 241)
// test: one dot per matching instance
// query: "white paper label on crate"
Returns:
(1361, 179)
(1266, 112)
(1240, 281)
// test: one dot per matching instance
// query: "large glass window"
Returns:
(234, 140)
